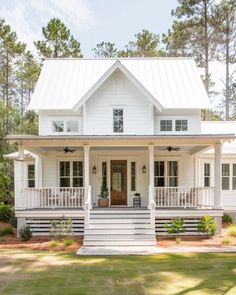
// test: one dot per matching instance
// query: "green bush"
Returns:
(68, 242)
(227, 218)
(25, 233)
(175, 226)
(8, 230)
(231, 231)
(54, 244)
(207, 225)
(6, 212)
(60, 228)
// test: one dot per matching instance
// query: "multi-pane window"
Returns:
(72, 126)
(118, 120)
(165, 125)
(234, 177)
(31, 175)
(207, 174)
(133, 176)
(172, 173)
(159, 173)
(71, 173)
(181, 125)
(225, 176)
(104, 174)
(58, 126)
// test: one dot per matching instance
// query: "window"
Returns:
(166, 125)
(159, 173)
(72, 126)
(71, 173)
(104, 174)
(58, 126)
(165, 173)
(234, 177)
(181, 125)
(118, 120)
(133, 176)
(172, 173)
(225, 176)
(31, 175)
(206, 174)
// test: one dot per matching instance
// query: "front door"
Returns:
(119, 182)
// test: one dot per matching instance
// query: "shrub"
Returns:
(207, 225)
(6, 212)
(25, 233)
(178, 240)
(59, 228)
(68, 242)
(8, 230)
(54, 244)
(226, 241)
(175, 226)
(227, 218)
(231, 231)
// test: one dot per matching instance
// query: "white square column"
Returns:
(86, 173)
(218, 180)
(151, 174)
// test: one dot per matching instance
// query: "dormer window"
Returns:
(166, 125)
(118, 120)
(58, 126)
(72, 126)
(65, 126)
(181, 125)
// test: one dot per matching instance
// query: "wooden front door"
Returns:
(119, 182)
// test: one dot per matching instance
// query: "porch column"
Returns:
(151, 174)
(38, 172)
(19, 198)
(86, 172)
(218, 180)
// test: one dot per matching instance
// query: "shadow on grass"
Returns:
(35, 272)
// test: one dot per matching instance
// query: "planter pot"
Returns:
(103, 203)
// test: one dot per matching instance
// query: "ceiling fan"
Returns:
(67, 150)
(171, 148)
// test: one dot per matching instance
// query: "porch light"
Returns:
(94, 170)
(144, 169)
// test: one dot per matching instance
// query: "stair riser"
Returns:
(121, 216)
(125, 221)
(119, 226)
(122, 237)
(119, 243)
(117, 231)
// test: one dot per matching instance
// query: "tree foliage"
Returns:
(58, 41)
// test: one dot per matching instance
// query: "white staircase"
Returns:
(119, 227)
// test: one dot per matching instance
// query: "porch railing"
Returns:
(53, 197)
(184, 197)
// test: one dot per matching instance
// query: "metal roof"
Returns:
(173, 82)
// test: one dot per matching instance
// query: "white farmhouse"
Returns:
(133, 128)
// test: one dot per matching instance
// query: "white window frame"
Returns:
(207, 176)
(27, 175)
(166, 176)
(181, 125)
(173, 119)
(118, 108)
(71, 170)
(65, 120)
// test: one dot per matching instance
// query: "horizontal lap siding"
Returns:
(50, 171)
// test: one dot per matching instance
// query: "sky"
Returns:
(90, 21)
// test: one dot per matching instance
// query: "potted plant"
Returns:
(103, 201)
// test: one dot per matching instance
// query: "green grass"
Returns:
(35, 272)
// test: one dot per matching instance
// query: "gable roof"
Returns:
(172, 82)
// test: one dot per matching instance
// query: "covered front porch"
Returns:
(126, 165)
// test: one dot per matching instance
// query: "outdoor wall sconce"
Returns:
(144, 169)
(94, 170)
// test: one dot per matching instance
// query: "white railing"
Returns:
(184, 197)
(53, 197)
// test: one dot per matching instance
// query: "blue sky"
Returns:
(90, 21)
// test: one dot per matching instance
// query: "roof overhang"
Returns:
(108, 73)
(119, 140)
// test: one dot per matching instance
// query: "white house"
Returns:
(133, 126)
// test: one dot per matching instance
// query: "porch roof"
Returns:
(119, 140)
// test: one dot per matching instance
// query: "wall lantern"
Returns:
(144, 169)
(94, 170)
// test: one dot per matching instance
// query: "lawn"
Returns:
(34, 272)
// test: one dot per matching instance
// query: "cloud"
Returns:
(27, 17)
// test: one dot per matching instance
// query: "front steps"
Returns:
(119, 227)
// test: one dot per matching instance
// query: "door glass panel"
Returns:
(118, 177)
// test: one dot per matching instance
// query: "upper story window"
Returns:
(118, 120)
(31, 175)
(181, 125)
(65, 126)
(166, 125)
